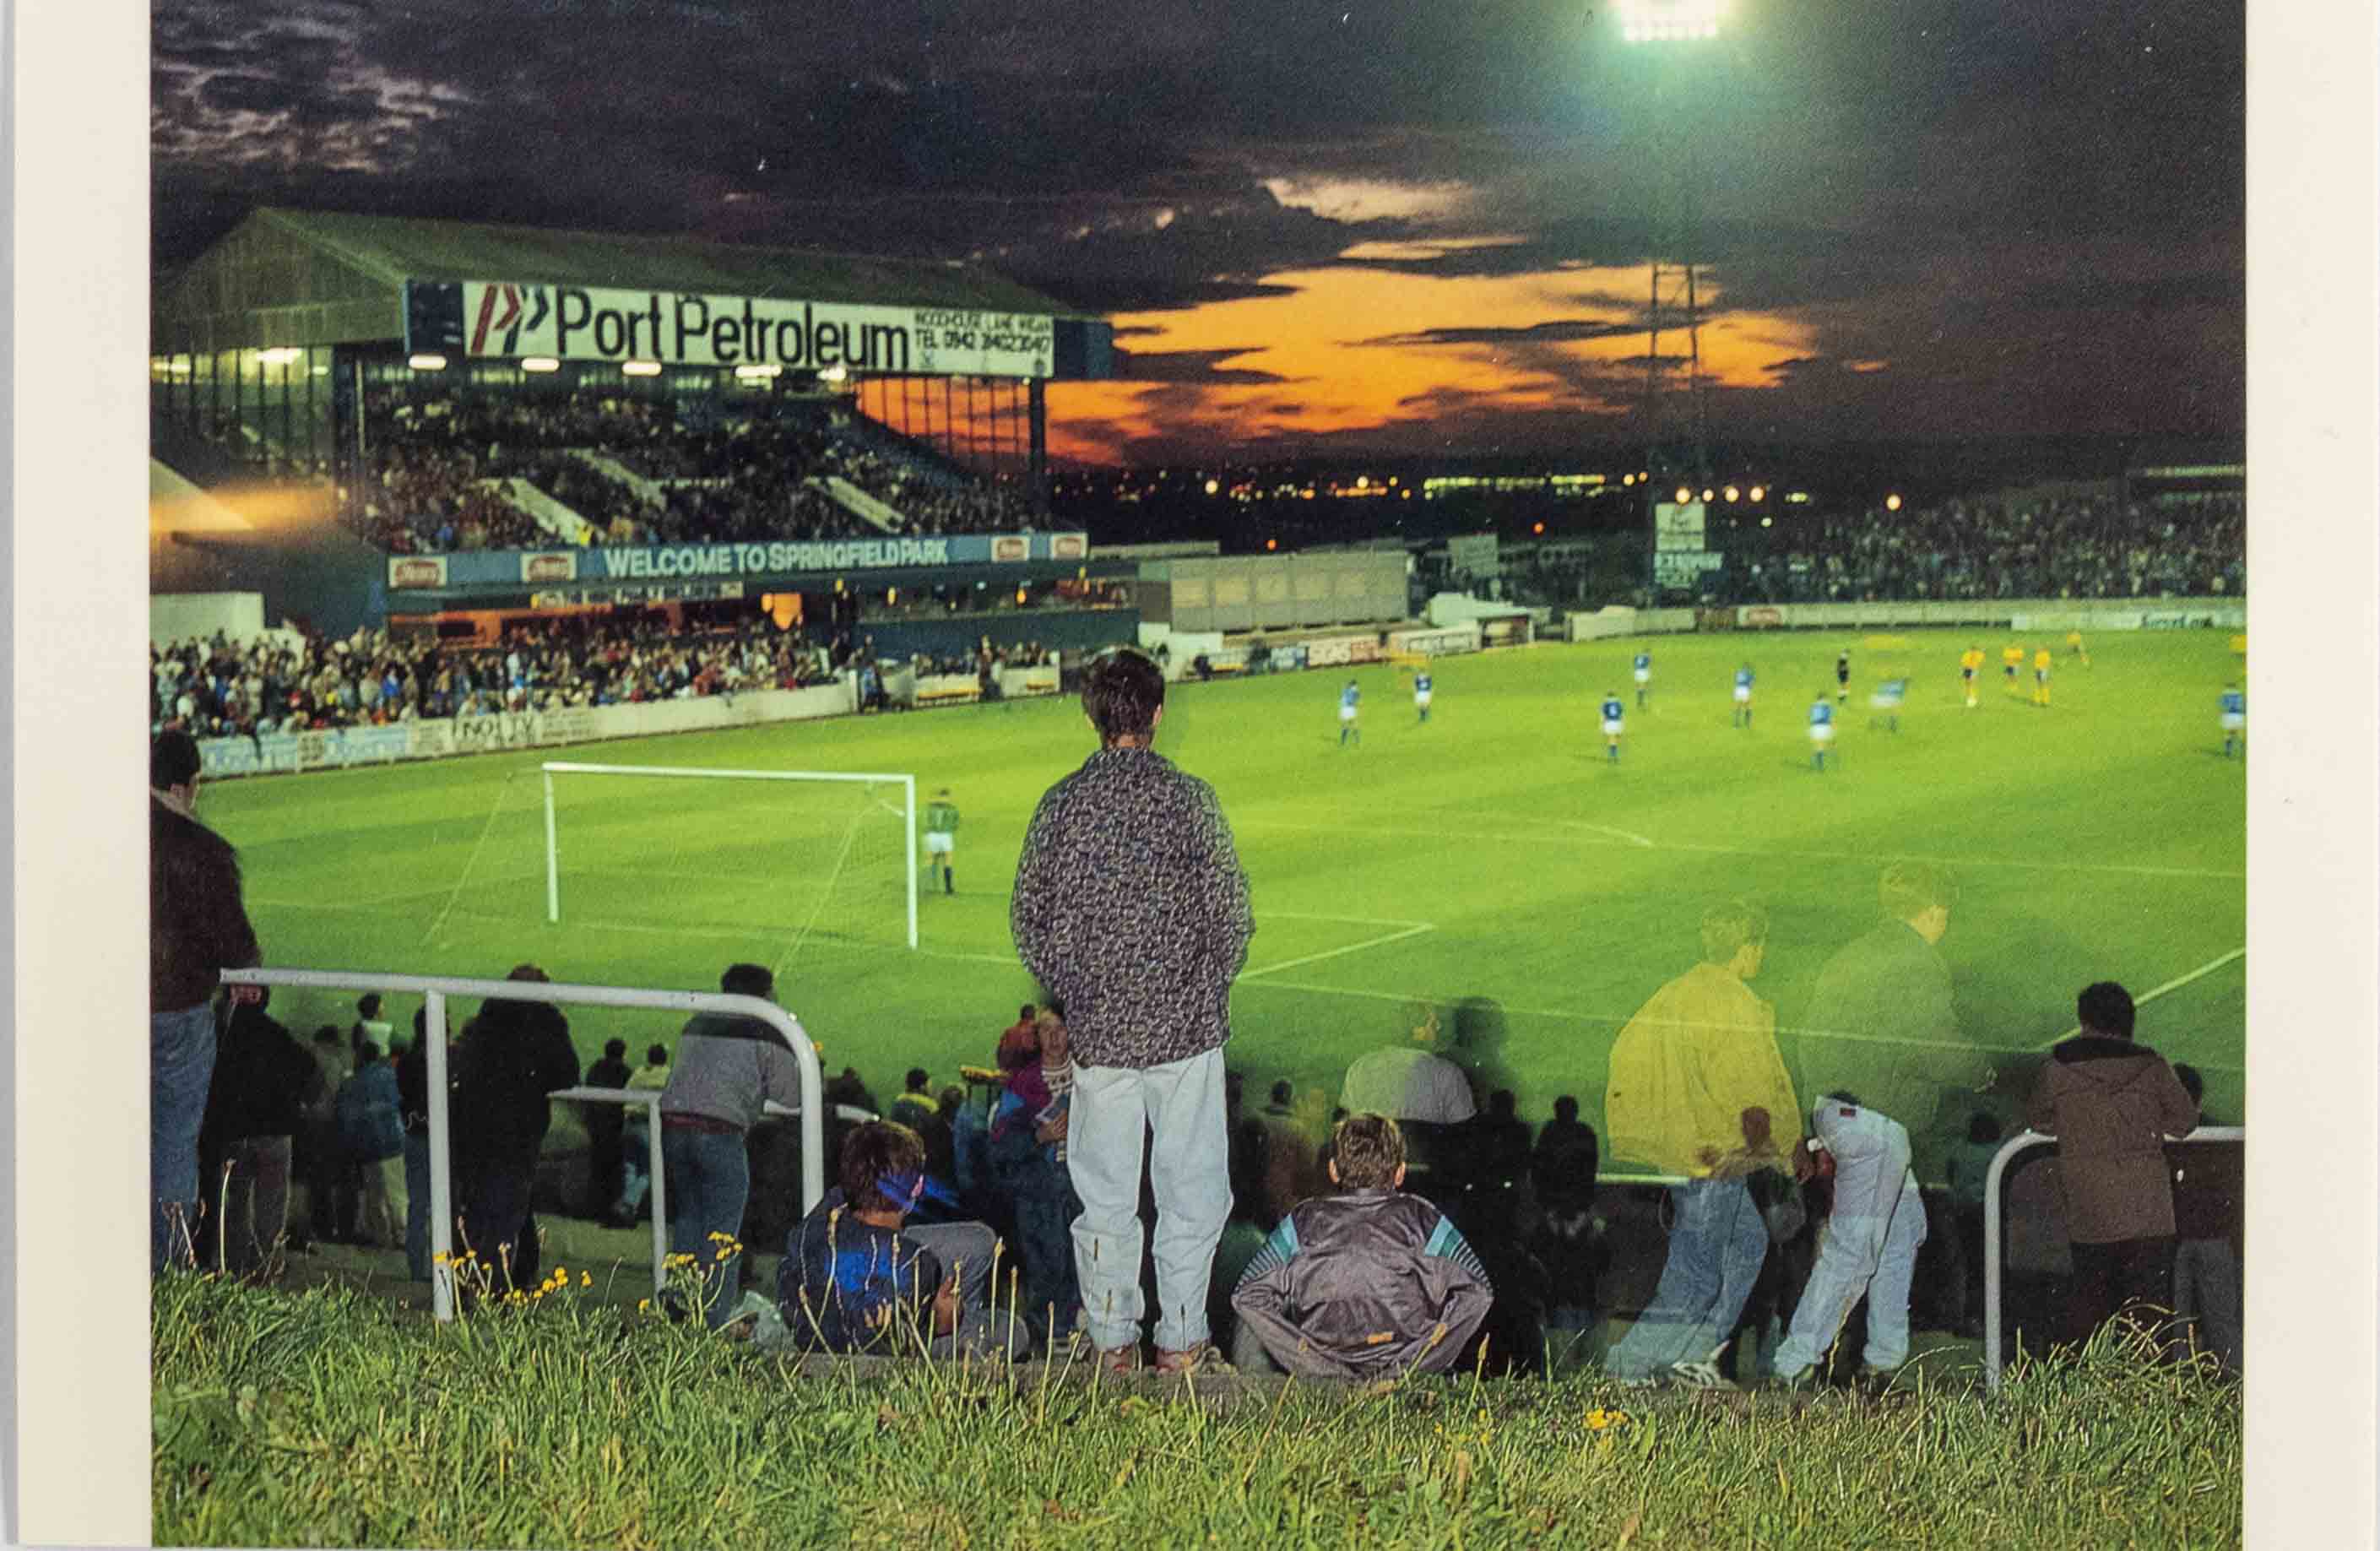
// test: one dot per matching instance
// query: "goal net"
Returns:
(792, 854)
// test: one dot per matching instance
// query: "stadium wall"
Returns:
(1233, 593)
(956, 635)
(445, 737)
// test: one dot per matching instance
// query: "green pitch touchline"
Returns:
(2174, 985)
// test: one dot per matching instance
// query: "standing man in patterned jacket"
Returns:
(1131, 908)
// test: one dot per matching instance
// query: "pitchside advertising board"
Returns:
(722, 566)
(510, 318)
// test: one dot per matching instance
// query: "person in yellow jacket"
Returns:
(1698, 1089)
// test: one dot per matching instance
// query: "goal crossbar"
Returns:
(907, 783)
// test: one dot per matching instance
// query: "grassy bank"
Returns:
(328, 1418)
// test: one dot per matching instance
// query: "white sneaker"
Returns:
(1704, 1375)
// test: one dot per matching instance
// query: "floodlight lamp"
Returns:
(641, 369)
(1707, 495)
(1684, 495)
(1892, 504)
(1760, 493)
(426, 362)
(758, 371)
(540, 363)
(1732, 492)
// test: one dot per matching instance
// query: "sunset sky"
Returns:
(1330, 228)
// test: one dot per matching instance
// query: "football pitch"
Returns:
(1489, 869)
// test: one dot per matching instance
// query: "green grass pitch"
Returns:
(1489, 864)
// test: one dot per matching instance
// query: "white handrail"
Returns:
(435, 988)
(1993, 1214)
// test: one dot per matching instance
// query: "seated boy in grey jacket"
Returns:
(1368, 1282)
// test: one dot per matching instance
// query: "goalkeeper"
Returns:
(942, 837)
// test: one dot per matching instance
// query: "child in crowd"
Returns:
(1370, 1281)
(856, 1278)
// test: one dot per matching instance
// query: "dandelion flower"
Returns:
(587, 1278)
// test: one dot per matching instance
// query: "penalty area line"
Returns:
(1414, 930)
(2177, 983)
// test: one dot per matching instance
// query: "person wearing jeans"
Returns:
(1131, 908)
(728, 1070)
(198, 929)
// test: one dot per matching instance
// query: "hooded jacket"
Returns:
(2111, 1104)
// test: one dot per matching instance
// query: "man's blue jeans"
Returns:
(1716, 1248)
(709, 1178)
(181, 1063)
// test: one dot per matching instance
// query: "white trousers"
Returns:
(1859, 1256)
(1176, 1110)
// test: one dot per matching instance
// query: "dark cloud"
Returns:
(1557, 332)
(1190, 365)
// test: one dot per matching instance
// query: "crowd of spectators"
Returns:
(285, 682)
(758, 473)
(2071, 547)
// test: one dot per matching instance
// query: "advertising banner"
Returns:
(718, 568)
(1512, 630)
(1683, 568)
(1676, 525)
(1337, 650)
(496, 317)
(1435, 643)
(416, 570)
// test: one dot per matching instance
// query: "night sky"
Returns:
(1358, 226)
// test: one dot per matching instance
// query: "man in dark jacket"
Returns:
(510, 1058)
(262, 1079)
(198, 929)
(605, 1124)
(1891, 985)
(2111, 1104)
(1131, 908)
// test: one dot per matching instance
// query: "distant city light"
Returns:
(1662, 21)
(834, 374)
(1892, 504)
(758, 371)
(641, 369)
(1363, 481)
(540, 363)
(1732, 492)
(1759, 492)
(1273, 543)
(1539, 528)
(1707, 492)
(1768, 522)
(426, 363)
(1684, 495)
(1213, 485)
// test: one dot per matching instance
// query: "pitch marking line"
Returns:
(2177, 983)
(1415, 929)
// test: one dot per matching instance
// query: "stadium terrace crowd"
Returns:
(285, 682)
(2094, 547)
(639, 474)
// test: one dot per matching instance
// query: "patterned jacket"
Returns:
(1131, 908)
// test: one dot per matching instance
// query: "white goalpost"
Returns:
(905, 785)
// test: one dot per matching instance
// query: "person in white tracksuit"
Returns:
(1869, 1247)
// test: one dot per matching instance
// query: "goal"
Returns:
(824, 853)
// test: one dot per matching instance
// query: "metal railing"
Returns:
(1995, 1215)
(435, 988)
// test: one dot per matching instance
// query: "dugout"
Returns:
(265, 347)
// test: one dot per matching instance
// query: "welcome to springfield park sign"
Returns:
(504, 318)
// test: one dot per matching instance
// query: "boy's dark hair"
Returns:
(917, 1079)
(1983, 1128)
(1282, 1093)
(872, 1151)
(1369, 1149)
(369, 1005)
(173, 759)
(748, 980)
(1500, 1104)
(950, 1099)
(1565, 1109)
(2191, 1083)
(1122, 691)
(656, 1055)
(1026, 1013)
(615, 1048)
(2105, 1008)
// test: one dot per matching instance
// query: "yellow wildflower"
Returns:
(587, 1278)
